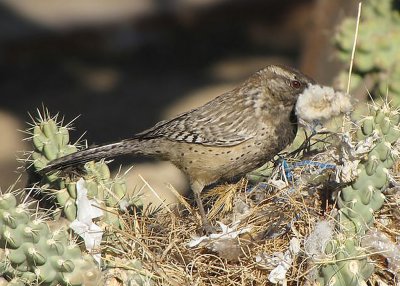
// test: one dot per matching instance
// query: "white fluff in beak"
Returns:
(320, 103)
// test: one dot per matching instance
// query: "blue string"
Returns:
(289, 174)
(288, 168)
(314, 163)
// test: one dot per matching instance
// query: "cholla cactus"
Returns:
(358, 201)
(92, 186)
(32, 254)
(378, 48)
(51, 140)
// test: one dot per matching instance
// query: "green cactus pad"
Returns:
(34, 254)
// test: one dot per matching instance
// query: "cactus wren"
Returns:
(231, 135)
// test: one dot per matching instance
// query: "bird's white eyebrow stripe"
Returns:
(282, 72)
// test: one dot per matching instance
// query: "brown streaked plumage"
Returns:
(231, 135)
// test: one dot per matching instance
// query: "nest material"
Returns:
(277, 212)
(160, 239)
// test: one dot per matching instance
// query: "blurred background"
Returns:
(123, 65)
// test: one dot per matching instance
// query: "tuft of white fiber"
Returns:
(320, 103)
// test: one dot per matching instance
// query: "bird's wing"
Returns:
(209, 125)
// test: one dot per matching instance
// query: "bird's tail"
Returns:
(95, 153)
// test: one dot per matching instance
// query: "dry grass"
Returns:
(276, 215)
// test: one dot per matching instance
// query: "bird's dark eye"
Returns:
(295, 84)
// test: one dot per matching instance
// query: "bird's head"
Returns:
(284, 84)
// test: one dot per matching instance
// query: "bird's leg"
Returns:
(197, 188)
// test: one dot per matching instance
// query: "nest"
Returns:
(265, 217)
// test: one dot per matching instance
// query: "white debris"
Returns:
(363, 147)
(279, 184)
(351, 156)
(264, 258)
(228, 233)
(123, 205)
(83, 225)
(283, 262)
(316, 242)
(347, 172)
(376, 241)
(320, 103)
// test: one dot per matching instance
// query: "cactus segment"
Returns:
(35, 255)
(359, 201)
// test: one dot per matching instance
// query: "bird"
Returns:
(231, 135)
